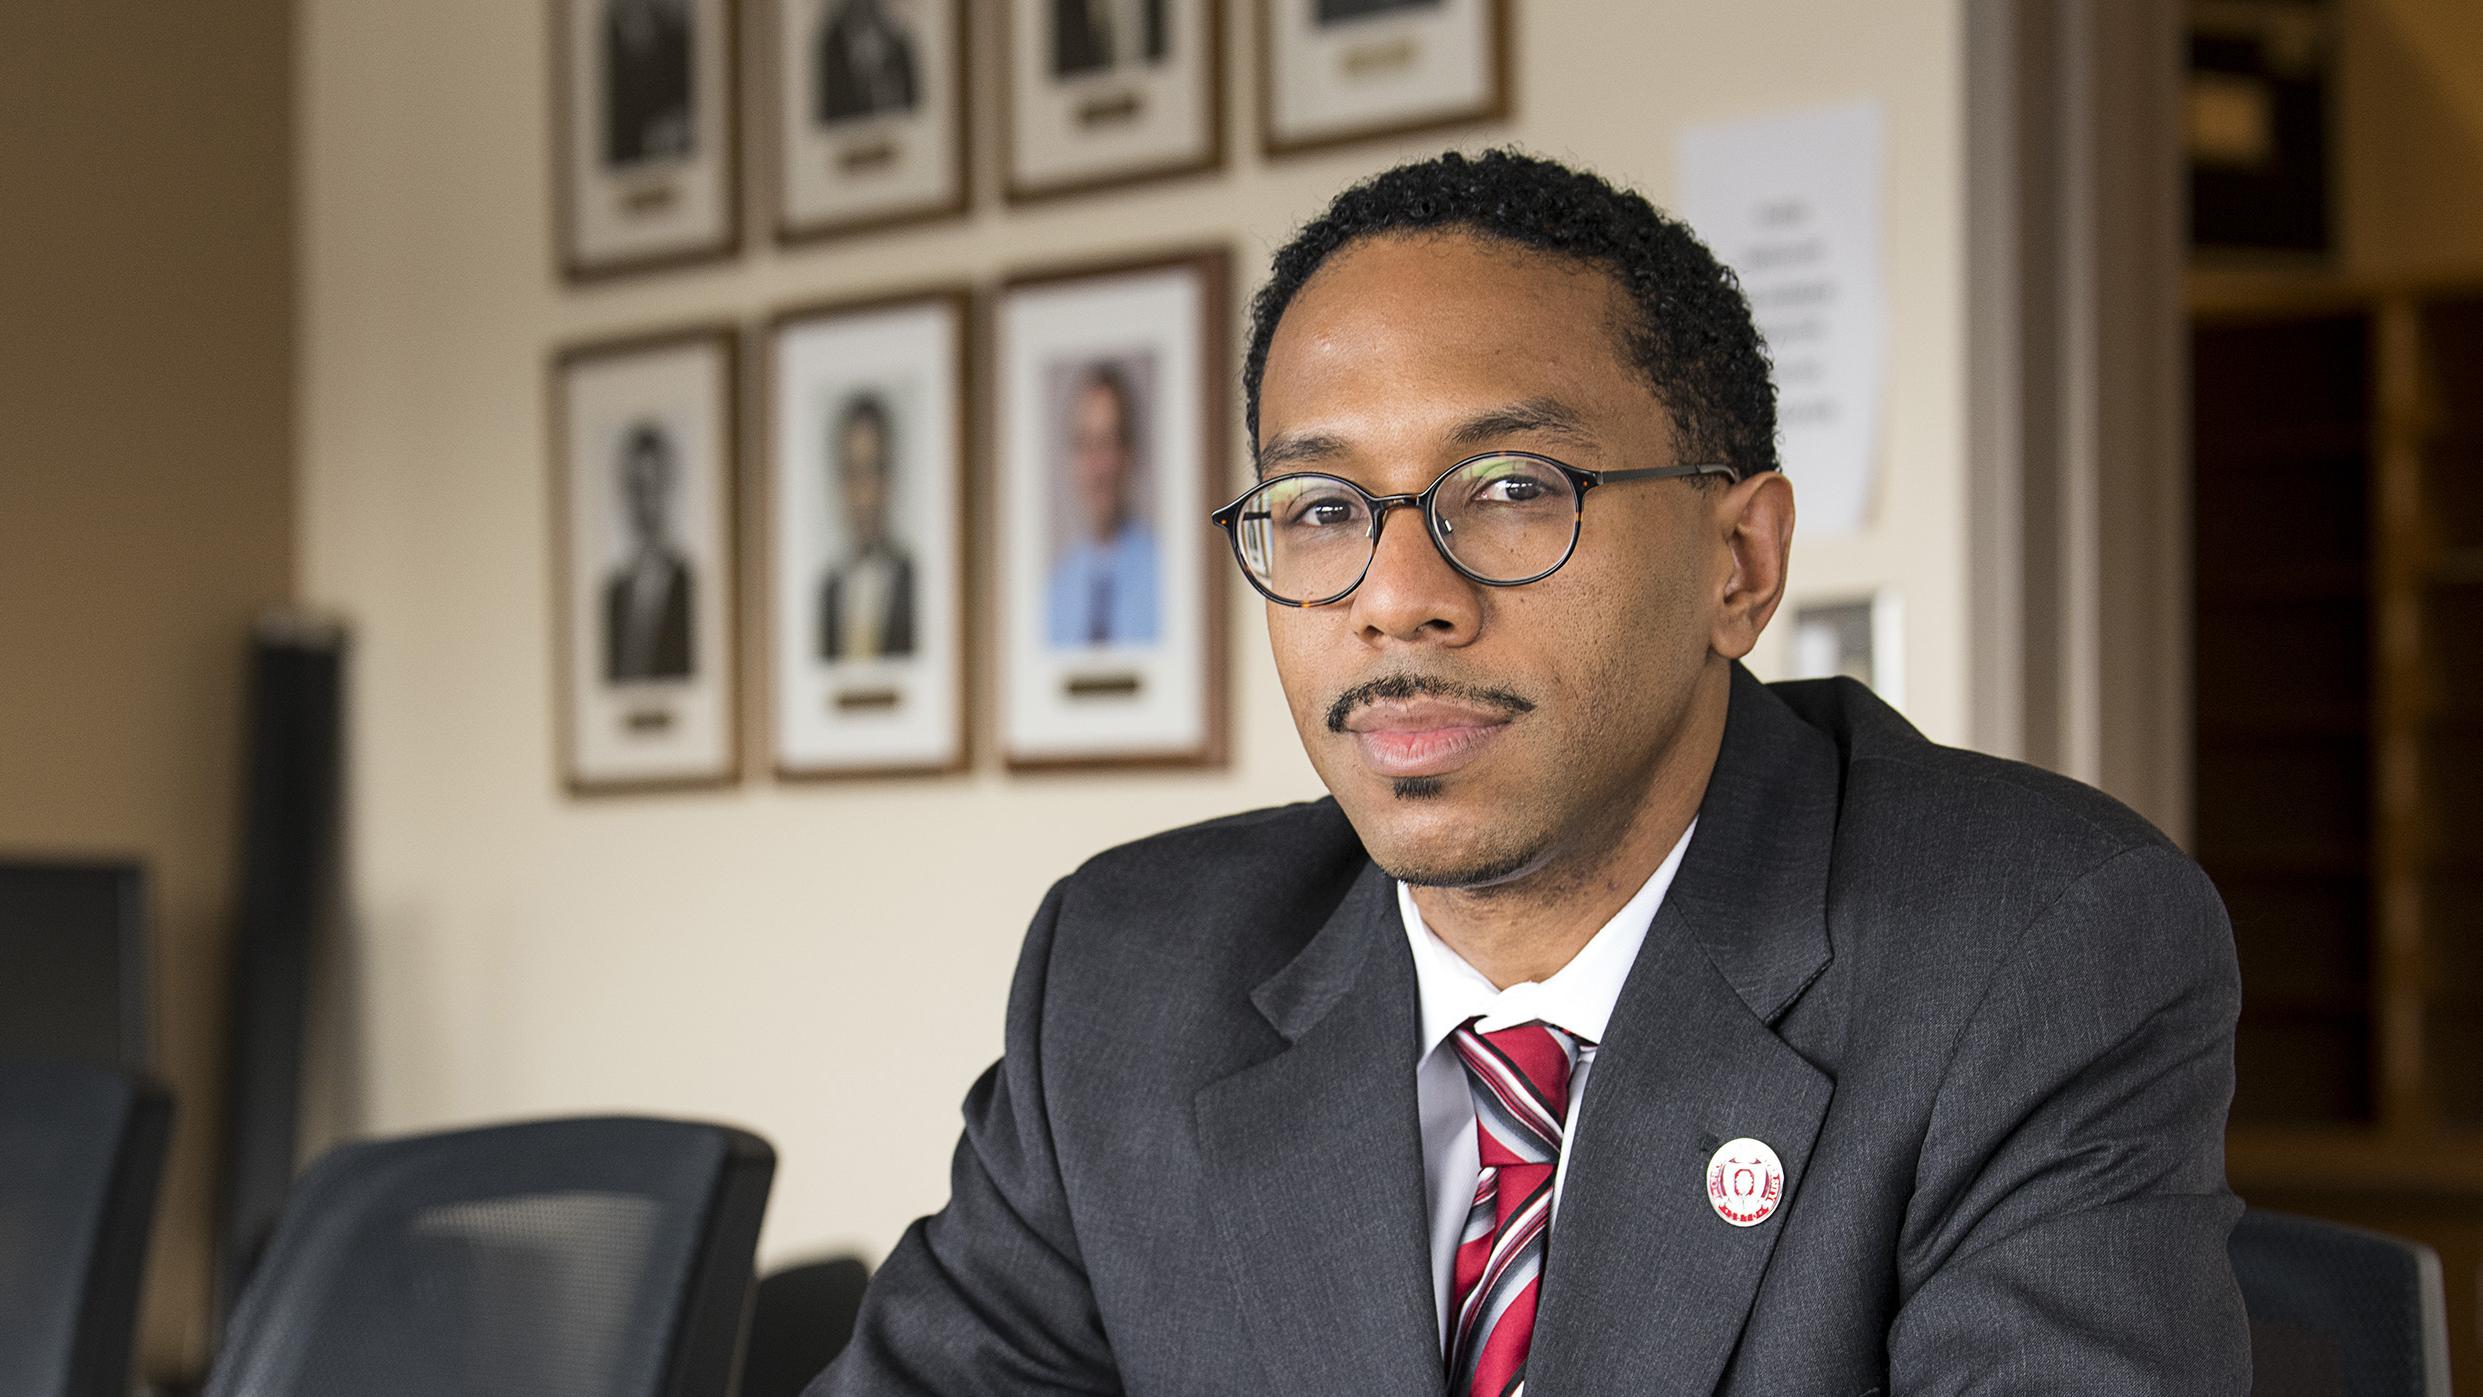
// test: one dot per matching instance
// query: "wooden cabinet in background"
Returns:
(2337, 435)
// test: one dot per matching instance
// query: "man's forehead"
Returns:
(1457, 340)
(1444, 271)
(1400, 315)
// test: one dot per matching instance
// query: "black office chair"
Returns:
(2339, 1312)
(575, 1258)
(802, 1320)
(81, 1151)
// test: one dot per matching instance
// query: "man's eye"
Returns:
(1324, 513)
(1510, 489)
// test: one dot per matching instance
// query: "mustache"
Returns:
(1406, 686)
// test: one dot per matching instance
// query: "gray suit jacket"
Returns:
(1983, 1014)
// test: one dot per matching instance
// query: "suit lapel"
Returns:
(1314, 1166)
(1646, 1289)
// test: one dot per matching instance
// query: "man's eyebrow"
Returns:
(1289, 452)
(1533, 417)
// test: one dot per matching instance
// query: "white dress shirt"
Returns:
(1578, 997)
(648, 574)
(864, 599)
(1125, 30)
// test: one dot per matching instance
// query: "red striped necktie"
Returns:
(1520, 1081)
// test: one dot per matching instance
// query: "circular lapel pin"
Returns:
(1745, 1181)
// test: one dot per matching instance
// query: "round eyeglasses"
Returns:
(1504, 519)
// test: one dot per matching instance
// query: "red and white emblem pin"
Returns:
(1745, 1181)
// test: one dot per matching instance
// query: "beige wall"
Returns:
(145, 489)
(789, 957)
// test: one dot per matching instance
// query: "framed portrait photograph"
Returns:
(1342, 70)
(644, 133)
(643, 523)
(1110, 444)
(1862, 638)
(866, 538)
(1105, 92)
(870, 113)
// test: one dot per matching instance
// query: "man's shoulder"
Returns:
(1224, 901)
(1962, 852)
(1905, 790)
(1266, 850)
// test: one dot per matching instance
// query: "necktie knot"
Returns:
(1520, 1081)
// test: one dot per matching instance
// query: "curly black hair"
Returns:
(1694, 338)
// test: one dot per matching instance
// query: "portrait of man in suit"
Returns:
(866, 602)
(1617, 1023)
(1097, 36)
(865, 62)
(1103, 585)
(647, 79)
(649, 600)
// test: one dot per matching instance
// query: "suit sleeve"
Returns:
(2067, 1232)
(989, 1295)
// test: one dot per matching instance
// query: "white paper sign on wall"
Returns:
(1792, 203)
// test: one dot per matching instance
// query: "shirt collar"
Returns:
(1578, 997)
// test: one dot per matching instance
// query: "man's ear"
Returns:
(1754, 520)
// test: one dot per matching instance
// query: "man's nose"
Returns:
(1411, 593)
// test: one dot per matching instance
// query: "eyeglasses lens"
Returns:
(1507, 518)
(1307, 538)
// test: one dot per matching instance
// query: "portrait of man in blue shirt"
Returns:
(1103, 586)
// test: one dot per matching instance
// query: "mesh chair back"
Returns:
(81, 1151)
(2339, 1312)
(576, 1258)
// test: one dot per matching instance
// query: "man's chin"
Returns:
(1430, 851)
(1474, 871)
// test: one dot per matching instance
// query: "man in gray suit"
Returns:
(1620, 1024)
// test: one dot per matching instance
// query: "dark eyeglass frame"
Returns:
(1229, 517)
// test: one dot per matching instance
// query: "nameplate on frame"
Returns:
(648, 720)
(1119, 109)
(867, 157)
(1101, 686)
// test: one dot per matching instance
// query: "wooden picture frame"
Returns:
(1103, 110)
(644, 492)
(1110, 438)
(865, 536)
(647, 171)
(866, 114)
(1332, 72)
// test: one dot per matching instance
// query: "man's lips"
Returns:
(1402, 738)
